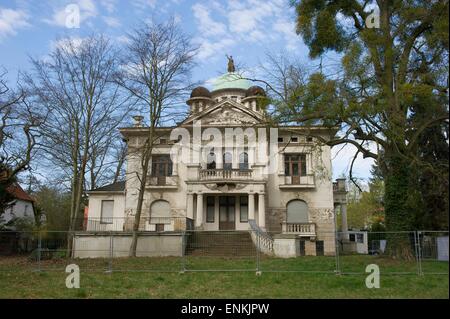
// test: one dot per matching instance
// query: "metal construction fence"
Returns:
(402, 252)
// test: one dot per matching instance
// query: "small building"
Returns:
(22, 207)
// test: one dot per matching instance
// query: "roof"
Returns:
(231, 80)
(114, 187)
(18, 193)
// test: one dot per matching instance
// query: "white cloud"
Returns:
(144, 4)
(67, 43)
(207, 26)
(210, 49)
(123, 39)
(11, 21)
(112, 22)
(109, 5)
(244, 21)
(87, 10)
(287, 29)
(342, 157)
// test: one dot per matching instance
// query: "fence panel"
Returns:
(19, 249)
(219, 251)
(433, 252)
(393, 252)
(415, 252)
(292, 253)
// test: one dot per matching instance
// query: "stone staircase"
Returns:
(219, 243)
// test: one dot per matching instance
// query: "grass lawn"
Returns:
(18, 280)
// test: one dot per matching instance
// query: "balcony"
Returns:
(225, 174)
(299, 229)
(293, 182)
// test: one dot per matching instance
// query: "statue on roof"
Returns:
(231, 67)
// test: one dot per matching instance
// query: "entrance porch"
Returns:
(213, 211)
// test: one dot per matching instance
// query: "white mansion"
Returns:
(228, 188)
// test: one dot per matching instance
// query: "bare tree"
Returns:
(18, 134)
(75, 87)
(156, 71)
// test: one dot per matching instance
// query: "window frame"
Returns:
(240, 208)
(102, 218)
(300, 163)
(166, 164)
(209, 205)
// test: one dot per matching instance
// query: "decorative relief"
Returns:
(317, 215)
(224, 187)
(229, 116)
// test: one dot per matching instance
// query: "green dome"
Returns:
(231, 80)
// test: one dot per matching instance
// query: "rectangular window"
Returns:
(294, 139)
(351, 237)
(161, 165)
(244, 209)
(107, 212)
(210, 209)
(280, 140)
(295, 164)
(360, 238)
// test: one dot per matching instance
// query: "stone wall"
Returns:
(149, 245)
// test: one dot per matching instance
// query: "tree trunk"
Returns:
(137, 218)
(399, 217)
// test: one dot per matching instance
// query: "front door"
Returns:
(227, 208)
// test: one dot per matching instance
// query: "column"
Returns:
(261, 211)
(219, 157)
(190, 206)
(344, 221)
(251, 206)
(199, 217)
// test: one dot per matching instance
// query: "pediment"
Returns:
(226, 113)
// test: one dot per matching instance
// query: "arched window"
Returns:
(297, 212)
(227, 161)
(211, 160)
(243, 161)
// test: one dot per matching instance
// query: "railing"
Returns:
(161, 181)
(305, 180)
(301, 229)
(227, 174)
(146, 223)
(262, 240)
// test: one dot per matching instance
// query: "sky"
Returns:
(245, 29)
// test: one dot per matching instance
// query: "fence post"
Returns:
(336, 248)
(111, 252)
(419, 253)
(416, 252)
(39, 250)
(183, 249)
(258, 252)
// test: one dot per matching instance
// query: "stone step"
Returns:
(230, 243)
